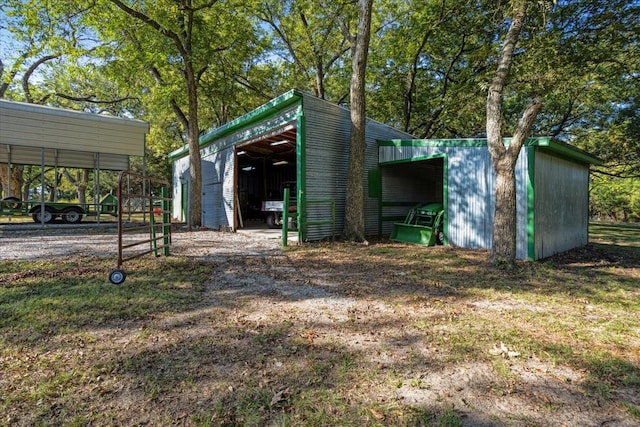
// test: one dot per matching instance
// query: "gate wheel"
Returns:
(117, 276)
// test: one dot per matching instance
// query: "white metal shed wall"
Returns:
(470, 191)
(561, 205)
(218, 189)
(181, 182)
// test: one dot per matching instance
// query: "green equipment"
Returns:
(70, 213)
(423, 225)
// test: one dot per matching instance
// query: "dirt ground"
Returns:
(370, 312)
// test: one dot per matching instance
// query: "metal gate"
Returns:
(144, 219)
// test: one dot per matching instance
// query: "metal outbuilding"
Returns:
(552, 186)
(33, 134)
(298, 137)
(294, 137)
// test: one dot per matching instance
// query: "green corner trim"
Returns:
(301, 171)
(531, 206)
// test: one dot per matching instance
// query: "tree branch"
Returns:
(496, 89)
(27, 75)
(155, 25)
(92, 99)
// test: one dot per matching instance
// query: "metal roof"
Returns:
(253, 118)
(33, 134)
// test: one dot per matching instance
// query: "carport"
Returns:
(44, 136)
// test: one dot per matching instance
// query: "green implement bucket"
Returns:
(422, 226)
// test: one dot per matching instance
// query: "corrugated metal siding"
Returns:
(218, 189)
(62, 158)
(522, 203)
(470, 193)
(228, 187)
(180, 175)
(39, 126)
(561, 205)
(328, 129)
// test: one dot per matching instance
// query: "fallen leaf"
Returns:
(278, 397)
(377, 415)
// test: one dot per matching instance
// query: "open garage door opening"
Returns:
(407, 184)
(265, 167)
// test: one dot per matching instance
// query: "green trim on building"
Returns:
(250, 119)
(374, 179)
(301, 173)
(414, 159)
(470, 142)
(445, 196)
(531, 206)
(569, 152)
(558, 148)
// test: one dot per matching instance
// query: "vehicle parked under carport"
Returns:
(70, 213)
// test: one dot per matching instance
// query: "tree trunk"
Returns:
(184, 45)
(504, 222)
(354, 227)
(12, 181)
(195, 160)
(81, 185)
(504, 158)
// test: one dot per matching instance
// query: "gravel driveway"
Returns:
(18, 241)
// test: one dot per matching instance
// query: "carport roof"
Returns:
(550, 145)
(67, 138)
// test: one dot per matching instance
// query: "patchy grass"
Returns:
(325, 334)
(615, 234)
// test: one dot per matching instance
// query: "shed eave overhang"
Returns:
(259, 114)
(544, 143)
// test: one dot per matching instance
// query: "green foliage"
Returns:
(44, 35)
(309, 48)
(429, 66)
(615, 199)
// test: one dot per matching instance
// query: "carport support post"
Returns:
(7, 191)
(96, 183)
(165, 221)
(285, 216)
(42, 186)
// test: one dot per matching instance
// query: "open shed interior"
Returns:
(265, 165)
(407, 184)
